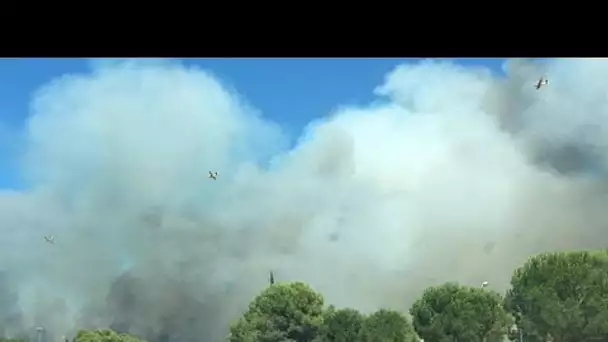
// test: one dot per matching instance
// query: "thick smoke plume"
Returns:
(453, 174)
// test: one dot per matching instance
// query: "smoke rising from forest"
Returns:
(455, 174)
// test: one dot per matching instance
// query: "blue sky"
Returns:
(289, 91)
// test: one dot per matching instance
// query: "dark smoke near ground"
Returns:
(455, 174)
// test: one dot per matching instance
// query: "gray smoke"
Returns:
(453, 174)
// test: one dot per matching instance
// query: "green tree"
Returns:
(454, 313)
(104, 335)
(282, 312)
(563, 295)
(341, 325)
(388, 326)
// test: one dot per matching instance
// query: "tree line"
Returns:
(558, 297)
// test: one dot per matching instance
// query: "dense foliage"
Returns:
(452, 312)
(104, 335)
(562, 296)
(283, 312)
(387, 325)
(342, 325)
(295, 312)
(558, 297)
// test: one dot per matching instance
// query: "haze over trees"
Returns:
(558, 296)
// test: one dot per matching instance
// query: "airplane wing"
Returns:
(541, 82)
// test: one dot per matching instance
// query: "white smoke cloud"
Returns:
(453, 175)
